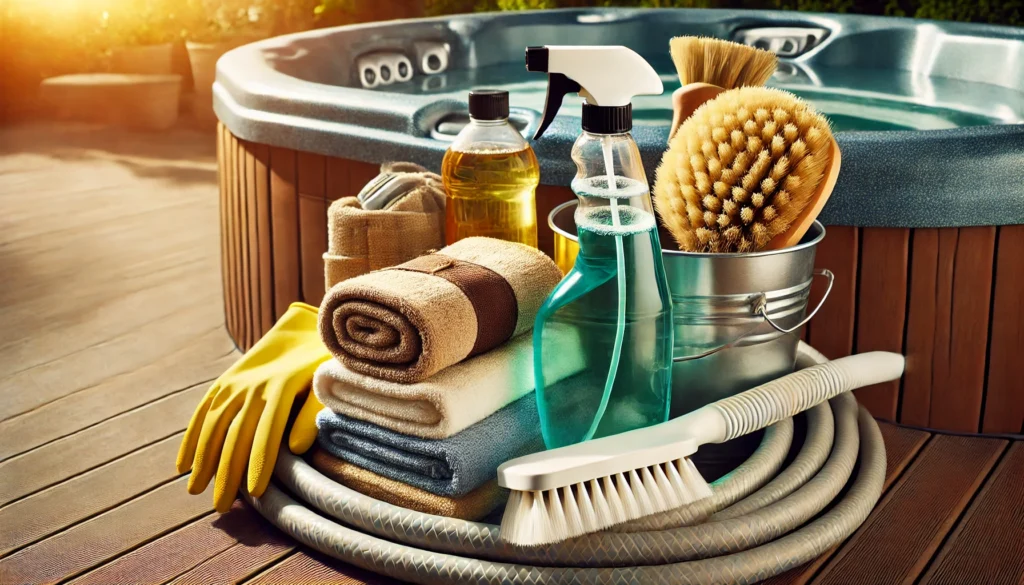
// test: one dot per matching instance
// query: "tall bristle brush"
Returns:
(708, 66)
(748, 171)
(587, 487)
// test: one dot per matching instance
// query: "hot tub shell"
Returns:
(925, 229)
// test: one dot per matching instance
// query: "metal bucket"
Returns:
(737, 316)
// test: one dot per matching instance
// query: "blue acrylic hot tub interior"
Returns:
(854, 99)
(921, 109)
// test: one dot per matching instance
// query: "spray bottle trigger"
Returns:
(558, 86)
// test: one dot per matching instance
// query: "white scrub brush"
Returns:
(587, 487)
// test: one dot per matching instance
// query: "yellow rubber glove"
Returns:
(243, 416)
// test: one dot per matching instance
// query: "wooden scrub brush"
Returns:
(708, 66)
(750, 170)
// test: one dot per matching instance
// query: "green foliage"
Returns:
(1007, 12)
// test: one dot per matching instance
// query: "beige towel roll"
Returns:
(361, 241)
(472, 506)
(409, 322)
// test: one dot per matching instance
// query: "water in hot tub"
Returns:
(853, 99)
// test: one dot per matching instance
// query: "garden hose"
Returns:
(754, 530)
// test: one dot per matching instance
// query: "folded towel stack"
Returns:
(432, 385)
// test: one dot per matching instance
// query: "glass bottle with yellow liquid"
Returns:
(490, 176)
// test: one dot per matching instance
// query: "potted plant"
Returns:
(217, 26)
(140, 35)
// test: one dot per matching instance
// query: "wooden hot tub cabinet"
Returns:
(951, 299)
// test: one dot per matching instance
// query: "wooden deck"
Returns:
(113, 326)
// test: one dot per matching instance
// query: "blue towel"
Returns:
(447, 467)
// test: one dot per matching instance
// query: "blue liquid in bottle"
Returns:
(626, 346)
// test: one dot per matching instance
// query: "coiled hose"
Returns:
(753, 528)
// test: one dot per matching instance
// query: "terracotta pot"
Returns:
(203, 59)
(143, 59)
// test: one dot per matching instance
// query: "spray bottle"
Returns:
(615, 301)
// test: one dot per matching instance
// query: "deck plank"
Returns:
(236, 564)
(67, 457)
(987, 548)
(64, 504)
(188, 360)
(909, 524)
(901, 447)
(106, 536)
(311, 567)
(185, 549)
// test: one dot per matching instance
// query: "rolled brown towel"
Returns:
(411, 321)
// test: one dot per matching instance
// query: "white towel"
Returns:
(452, 399)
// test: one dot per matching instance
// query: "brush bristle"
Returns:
(741, 169)
(719, 62)
(542, 517)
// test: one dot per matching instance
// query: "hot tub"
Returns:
(925, 229)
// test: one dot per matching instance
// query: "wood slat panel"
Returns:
(883, 301)
(244, 218)
(233, 274)
(957, 396)
(1004, 395)
(184, 549)
(261, 177)
(929, 497)
(338, 178)
(249, 557)
(831, 330)
(240, 259)
(312, 567)
(901, 446)
(67, 457)
(76, 499)
(987, 548)
(284, 220)
(106, 536)
(223, 176)
(311, 177)
(943, 329)
(548, 198)
(361, 173)
(196, 351)
(253, 220)
(915, 399)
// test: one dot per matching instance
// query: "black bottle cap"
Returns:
(488, 104)
(607, 119)
(537, 59)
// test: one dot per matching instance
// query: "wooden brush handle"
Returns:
(802, 223)
(687, 99)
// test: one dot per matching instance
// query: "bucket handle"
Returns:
(760, 307)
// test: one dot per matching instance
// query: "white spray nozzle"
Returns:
(607, 76)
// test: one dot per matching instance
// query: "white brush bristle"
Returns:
(543, 517)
